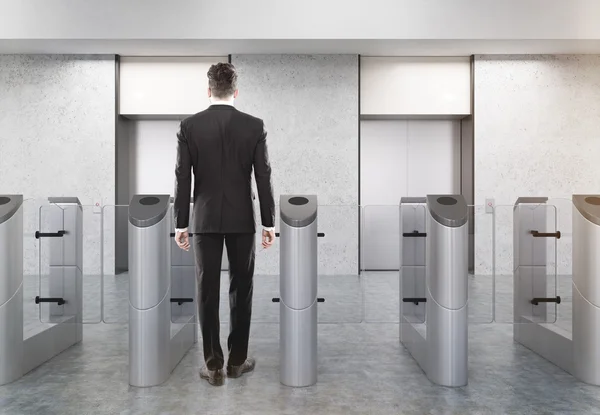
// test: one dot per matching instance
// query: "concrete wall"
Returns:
(57, 138)
(537, 133)
(310, 107)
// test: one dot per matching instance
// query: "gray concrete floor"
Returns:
(362, 367)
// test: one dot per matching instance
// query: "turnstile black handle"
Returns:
(59, 301)
(537, 234)
(319, 235)
(277, 300)
(414, 234)
(415, 301)
(173, 234)
(536, 301)
(58, 234)
(180, 301)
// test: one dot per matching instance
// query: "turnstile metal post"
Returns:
(434, 285)
(11, 288)
(586, 288)
(149, 290)
(298, 291)
(156, 343)
(447, 290)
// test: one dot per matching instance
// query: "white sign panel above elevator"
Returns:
(163, 87)
(415, 86)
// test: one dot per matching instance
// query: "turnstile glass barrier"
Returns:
(69, 261)
(482, 277)
(115, 279)
(379, 262)
(183, 277)
(412, 236)
(525, 236)
(564, 261)
(379, 238)
(340, 288)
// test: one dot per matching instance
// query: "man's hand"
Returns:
(268, 237)
(183, 240)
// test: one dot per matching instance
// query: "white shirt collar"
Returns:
(215, 101)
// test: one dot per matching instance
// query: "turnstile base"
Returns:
(43, 346)
(54, 340)
(586, 341)
(414, 341)
(183, 340)
(298, 346)
(545, 340)
(559, 346)
(149, 345)
(447, 345)
(34, 350)
(11, 342)
(155, 365)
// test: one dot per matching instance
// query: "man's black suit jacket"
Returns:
(223, 146)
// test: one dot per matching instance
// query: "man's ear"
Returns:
(209, 93)
(236, 93)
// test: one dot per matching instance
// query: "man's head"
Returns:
(222, 81)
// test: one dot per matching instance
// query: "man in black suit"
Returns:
(223, 146)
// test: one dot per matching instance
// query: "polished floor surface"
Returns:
(362, 367)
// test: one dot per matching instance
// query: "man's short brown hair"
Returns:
(222, 80)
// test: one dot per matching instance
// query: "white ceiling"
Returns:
(364, 47)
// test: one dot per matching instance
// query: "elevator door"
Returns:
(402, 158)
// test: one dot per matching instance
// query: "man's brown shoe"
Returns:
(214, 377)
(237, 371)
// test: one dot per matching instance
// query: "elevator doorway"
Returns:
(402, 158)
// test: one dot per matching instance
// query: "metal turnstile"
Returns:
(441, 347)
(298, 290)
(22, 351)
(11, 288)
(156, 345)
(576, 351)
(586, 288)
